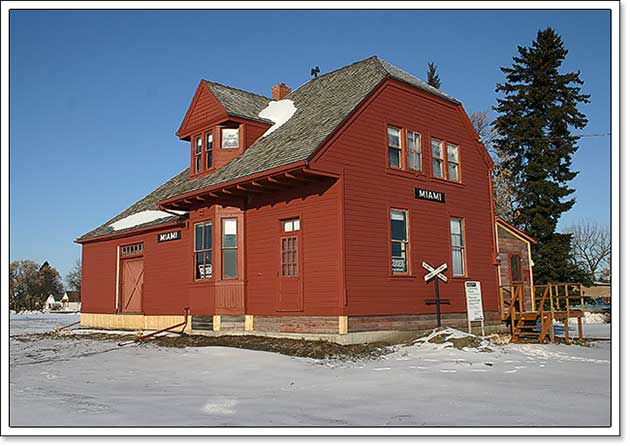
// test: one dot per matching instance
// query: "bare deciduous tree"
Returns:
(591, 248)
(73, 278)
(504, 202)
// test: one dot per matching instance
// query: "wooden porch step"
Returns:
(527, 315)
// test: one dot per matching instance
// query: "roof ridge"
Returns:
(331, 72)
(431, 88)
(238, 89)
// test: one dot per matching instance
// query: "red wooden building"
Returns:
(309, 212)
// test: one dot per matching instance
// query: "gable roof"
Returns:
(322, 106)
(73, 296)
(239, 103)
(515, 231)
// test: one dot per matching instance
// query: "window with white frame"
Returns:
(132, 249)
(394, 145)
(198, 154)
(399, 239)
(457, 247)
(437, 155)
(203, 250)
(289, 248)
(208, 150)
(291, 225)
(229, 138)
(228, 248)
(453, 161)
(414, 151)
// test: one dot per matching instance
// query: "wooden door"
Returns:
(290, 275)
(131, 285)
(516, 279)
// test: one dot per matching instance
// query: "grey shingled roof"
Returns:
(147, 203)
(322, 104)
(240, 103)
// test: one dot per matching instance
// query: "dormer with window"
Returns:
(220, 124)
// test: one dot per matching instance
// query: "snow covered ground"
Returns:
(60, 382)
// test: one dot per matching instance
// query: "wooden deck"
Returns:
(554, 301)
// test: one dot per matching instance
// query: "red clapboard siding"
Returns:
(204, 109)
(371, 189)
(316, 206)
(165, 274)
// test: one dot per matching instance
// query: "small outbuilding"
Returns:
(515, 260)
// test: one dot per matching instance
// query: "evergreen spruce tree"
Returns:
(433, 78)
(537, 111)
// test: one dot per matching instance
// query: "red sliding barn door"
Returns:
(131, 285)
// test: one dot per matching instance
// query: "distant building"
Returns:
(51, 304)
(71, 301)
(599, 289)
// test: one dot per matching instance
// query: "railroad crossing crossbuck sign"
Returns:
(434, 271)
(435, 274)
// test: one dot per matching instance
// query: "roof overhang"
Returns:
(515, 231)
(233, 193)
(131, 232)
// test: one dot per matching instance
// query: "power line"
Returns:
(586, 135)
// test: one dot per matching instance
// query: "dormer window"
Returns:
(209, 150)
(229, 138)
(198, 154)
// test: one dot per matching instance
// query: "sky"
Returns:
(96, 96)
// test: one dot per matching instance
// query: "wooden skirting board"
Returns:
(132, 321)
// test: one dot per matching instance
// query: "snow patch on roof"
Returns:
(140, 218)
(278, 112)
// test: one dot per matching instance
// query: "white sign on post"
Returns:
(474, 304)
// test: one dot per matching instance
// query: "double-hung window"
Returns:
(453, 162)
(198, 154)
(203, 250)
(457, 247)
(208, 150)
(229, 247)
(437, 154)
(400, 242)
(414, 151)
(394, 145)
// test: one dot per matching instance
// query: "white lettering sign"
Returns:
(474, 304)
(167, 236)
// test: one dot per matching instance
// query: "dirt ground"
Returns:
(290, 347)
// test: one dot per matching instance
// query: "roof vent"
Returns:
(280, 91)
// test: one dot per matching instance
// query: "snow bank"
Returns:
(592, 318)
(451, 337)
(140, 218)
(279, 112)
